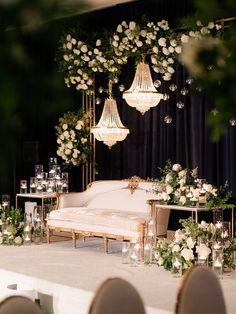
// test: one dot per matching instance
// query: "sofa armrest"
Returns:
(71, 199)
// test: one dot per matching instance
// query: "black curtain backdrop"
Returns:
(151, 142)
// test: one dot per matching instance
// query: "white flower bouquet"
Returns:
(186, 247)
(181, 186)
(11, 226)
(73, 138)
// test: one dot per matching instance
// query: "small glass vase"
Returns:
(177, 268)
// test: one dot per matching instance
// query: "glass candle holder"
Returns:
(51, 185)
(6, 201)
(148, 251)
(125, 252)
(135, 252)
(217, 262)
(39, 171)
(59, 184)
(33, 185)
(23, 186)
(52, 162)
(39, 186)
(177, 268)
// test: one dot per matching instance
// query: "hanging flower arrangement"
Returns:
(73, 138)
(108, 52)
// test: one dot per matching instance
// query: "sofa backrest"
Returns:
(113, 194)
(117, 195)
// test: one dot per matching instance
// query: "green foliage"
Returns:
(220, 59)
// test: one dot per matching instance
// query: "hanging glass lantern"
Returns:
(142, 94)
(110, 129)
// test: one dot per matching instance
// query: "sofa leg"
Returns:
(74, 239)
(105, 244)
(48, 235)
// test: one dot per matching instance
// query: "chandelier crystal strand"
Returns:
(110, 129)
(142, 94)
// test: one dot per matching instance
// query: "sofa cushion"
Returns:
(127, 220)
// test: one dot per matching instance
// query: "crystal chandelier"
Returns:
(142, 94)
(110, 129)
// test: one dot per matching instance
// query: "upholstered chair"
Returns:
(200, 293)
(19, 305)
(116, 296)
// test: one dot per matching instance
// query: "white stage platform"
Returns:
(65, 279)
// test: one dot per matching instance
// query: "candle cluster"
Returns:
(46, 182)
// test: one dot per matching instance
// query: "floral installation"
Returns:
(154, 39)
(73, 138)
(219, 57)
(185, 245)
(108, 52)
(11, 226)
(181, 186)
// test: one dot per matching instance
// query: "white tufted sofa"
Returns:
(112, 209)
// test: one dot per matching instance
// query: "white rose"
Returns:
(176, 248)
(203, 251)
(176, 167)
(68, 151)
(119, 28)
(164, 196)
(155, 49)
(162, 42)
(69, 145)
(187, 254)
(65, 126)
(68, 37)
(69, 46)
(178, 49)
(115, 43)
(182, 199)
(203, 225)
(66, 58)
(182, 173)
(169, 189)
(143, 33)
(179, 236)
(139, 43)
(165, 51)
(184, 38)
(168, 178)
(98, 42)
(190, 243)
(160, 261)
(66, 134)
(84, 48)
(196, 193)
(171, 49)
(132, 25)
(18, 240)
(173, 42)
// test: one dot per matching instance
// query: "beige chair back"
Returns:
(200, 293)
(19, 305)
(116, 296)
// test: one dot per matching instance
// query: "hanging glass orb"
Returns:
(180, 104)
(157, 83)
(121, 88)
(199, 89)
(98, 101)
(184, 91)
(168, 119)
(210, 67)
(173, 87)
(166, 96)
(214, 112)
(232, 121)
(189, 80)
(100, 89)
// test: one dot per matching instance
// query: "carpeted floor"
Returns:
(57, 269)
